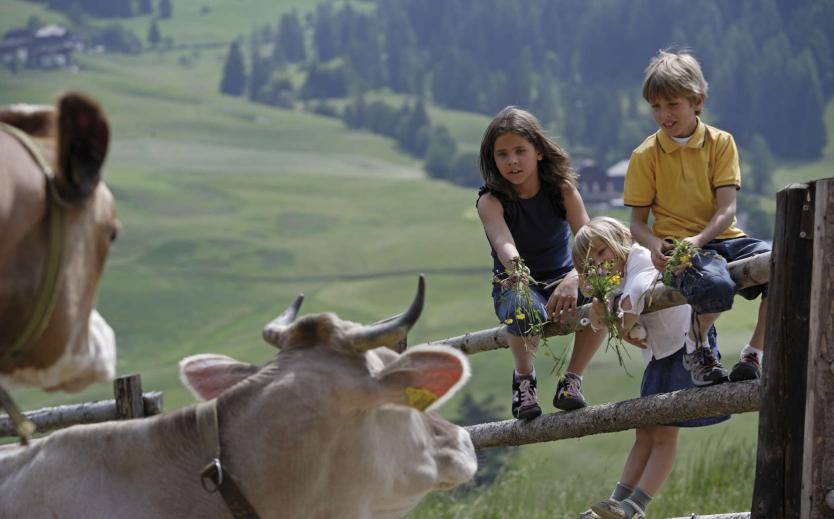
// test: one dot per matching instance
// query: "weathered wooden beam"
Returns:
(733, 515)
(686, 404)
(777, 489)
(52, 418)
(818, 450)
(747, 272)
(128, 395)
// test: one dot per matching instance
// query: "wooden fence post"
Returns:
(782, 415)
(128, 393)
(818, 462)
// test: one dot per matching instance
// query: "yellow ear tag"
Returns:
(419, 398)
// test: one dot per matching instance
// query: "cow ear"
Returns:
(83, 138)
(425, 376)
(208, 375)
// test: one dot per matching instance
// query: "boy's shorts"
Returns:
(506, 302)
(707, 284)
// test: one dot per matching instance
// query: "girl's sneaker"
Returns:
(588, 514)
(569, 393)
(525, 404)
(612, 509)
(748, 368)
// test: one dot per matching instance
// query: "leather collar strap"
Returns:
(213, 477)
(48, 292)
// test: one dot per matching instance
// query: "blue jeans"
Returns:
(707, 284)
(506, 302)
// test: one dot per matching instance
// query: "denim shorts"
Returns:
(506, 302)
(707, 284)
(668, 374)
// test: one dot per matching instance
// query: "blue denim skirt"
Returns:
(668, 374)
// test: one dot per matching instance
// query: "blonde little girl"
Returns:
(662, 344)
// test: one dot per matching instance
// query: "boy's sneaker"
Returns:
(704, 368)
(748, 368)
(525, 406)
(569, 393)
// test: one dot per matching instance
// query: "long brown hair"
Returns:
(554, 168)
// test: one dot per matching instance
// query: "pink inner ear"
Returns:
(441, 378)
(83, 121)
(209, 375)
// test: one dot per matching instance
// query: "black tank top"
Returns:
(540, 230)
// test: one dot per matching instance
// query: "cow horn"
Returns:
(272, 331)
(390, 332)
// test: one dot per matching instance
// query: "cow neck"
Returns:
(47, 294)
(213, 477)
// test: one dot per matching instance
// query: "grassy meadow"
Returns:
(230, 209)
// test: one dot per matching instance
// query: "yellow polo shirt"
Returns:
(678, 181)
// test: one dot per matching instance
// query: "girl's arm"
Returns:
(562, 303)
(624, 325)
(492, 217)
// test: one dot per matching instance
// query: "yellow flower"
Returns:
(508, 321)
(615, 279)
(519, 317)
(685, 259)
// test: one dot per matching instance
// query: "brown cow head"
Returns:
(74, 346)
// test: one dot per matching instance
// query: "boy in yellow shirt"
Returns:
(686, 175)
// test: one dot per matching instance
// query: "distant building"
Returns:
(49, 47)
(602, 187)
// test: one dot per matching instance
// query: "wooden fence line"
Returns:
(686, 404)
(737, 515)
(130, 402)
(747, 272)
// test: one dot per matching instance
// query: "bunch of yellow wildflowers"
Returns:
(600, 282)
(517, 279)
(680, 257)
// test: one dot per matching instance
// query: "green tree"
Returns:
(153, 34)
(291, 36)
(233, 81)
(761, 166)
(165, 9)
(441, 152)
(325, 35)
(145, 7)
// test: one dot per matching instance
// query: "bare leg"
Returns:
(522, 349)
(585, 343)
(661, 460)
(638, 457)
(705, 321)
(757, 340)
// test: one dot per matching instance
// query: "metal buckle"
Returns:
(213, 472)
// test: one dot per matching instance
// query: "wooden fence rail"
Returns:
(130, 402)
(747, 272)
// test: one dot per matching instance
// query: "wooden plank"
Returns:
(776, 491)
(747, 272)
(128, 393)
(686, 404)
(818, 461)
(59, 417)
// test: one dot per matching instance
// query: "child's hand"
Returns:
(658, 249)
(636, 335)
(561, 305)
(596, 313)
(515, 278)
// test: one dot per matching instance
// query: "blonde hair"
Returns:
(674, 74)
(554, 168)
(601, 229)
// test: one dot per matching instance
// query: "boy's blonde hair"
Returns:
(601, 229)
(674, 74)
(554, 168)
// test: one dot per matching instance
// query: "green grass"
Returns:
(230, 209)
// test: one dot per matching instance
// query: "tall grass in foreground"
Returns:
(716, 478)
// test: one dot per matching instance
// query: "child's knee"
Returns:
(708, 287)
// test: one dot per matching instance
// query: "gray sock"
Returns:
(621, 492)
(640, 498)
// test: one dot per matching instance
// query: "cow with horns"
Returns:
(57, 220)
(337, 425)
